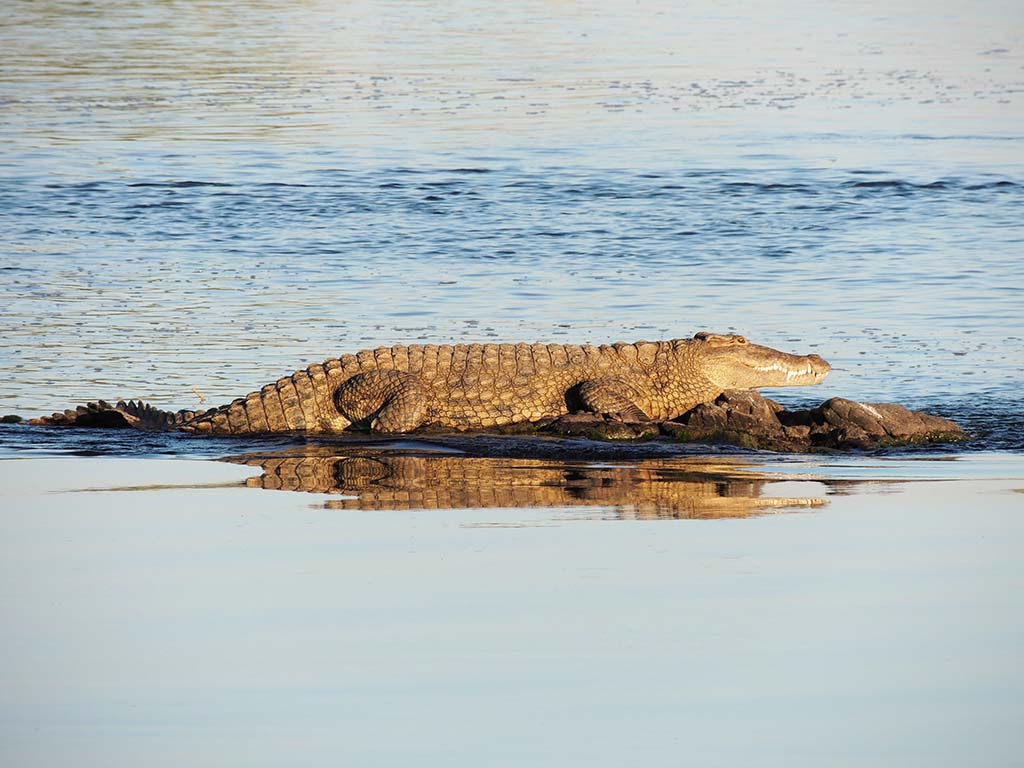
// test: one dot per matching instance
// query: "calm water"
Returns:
(161, 613)
(196, 200)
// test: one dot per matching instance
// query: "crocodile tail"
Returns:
(301, 402)
(133, 414)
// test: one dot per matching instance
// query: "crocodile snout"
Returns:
(820, 364)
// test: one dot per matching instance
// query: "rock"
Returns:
(800, 432)
(741, 418)
(737, 410)
(706, 417)
(749, 420)
(751, 403)
(10, 418)
(681, 432)
(884, 424)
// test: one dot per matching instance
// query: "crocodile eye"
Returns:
(702, 335)
(741, 339)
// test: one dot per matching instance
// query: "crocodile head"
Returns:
(732, 362)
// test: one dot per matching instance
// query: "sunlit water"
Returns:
(197, 199)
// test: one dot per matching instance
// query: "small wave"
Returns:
(179, 184)
(902, 186)
(898, 184)
(277, 185)
(83, 186)
(960, 137)
(993, 185)
(769, 187)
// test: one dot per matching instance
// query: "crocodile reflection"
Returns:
(652, 488)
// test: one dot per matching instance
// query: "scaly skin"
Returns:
(397, 389)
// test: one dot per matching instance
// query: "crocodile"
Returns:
(473, 386)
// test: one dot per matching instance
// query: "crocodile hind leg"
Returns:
(612, 397)
(388, 401)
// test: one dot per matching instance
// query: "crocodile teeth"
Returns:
(790, 372)
(802, 372)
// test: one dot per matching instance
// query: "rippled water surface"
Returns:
(196, 199)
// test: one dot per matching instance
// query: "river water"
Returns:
(196, 199)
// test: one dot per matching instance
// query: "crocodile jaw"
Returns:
(798, 371)
(731, 362)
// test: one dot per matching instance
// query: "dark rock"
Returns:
(799, 432)
(743, 411)
(856, 424)
(706, 417)
(751, 403)
(10, 418)
(792, 419)
(746, 419)
(741, 418)
(745, 422)
(674, 429)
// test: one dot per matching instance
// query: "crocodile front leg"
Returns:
(389, 401)
(613, 397)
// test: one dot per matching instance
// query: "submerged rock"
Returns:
(746, 419)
